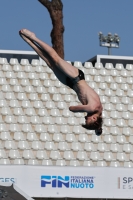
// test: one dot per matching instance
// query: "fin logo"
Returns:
(55, 181)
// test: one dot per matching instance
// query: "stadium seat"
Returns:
(126, 115)
(62, 146)
(35, 119)
(109, 106)
(114, 114)
(114, 86)
(33, 162)
(24, 62)
(49, 145)
(23, 144)
(76, 146)
(103, 86)
(88, 65)
(109, 79)
(120, 107)
(108, 156)
(105, 114)
(61, 163)
(40, 128)
(68, 155)
(17, 68)
(74, 163)
(42, 112)
(93, 84)
(127, 148)
(101, 163)
(13, 128)
(104, 99)
(98, 79)
(18, 161)
(88, 163)
(57, 97)
(32, 75)
(5, 161)
(127, 131)
(108, 139)
(121, 139)
(35, 62)
(119, 66)
(31, 136)
(121, 123)
(130, 123)
(28, 68)
(47, 162)
(36, 145)
(10, 144)
(103, 72)
(55, 155)
(3, 153)
(83, 138)
(95, 156)
(128, 164)
(41, 154)
(55, 112)
(125, 87)
(129, 67)
(102, 147)
(6, 88)
(78, 64)
(129, 80)
(45, 137)
(25, 104)
(13, 103)
(3, 61)
(19, 136)
(58, 137)
(45, 97)
(89, 146)
(3, 81)
(5, 136)
(3, 127)
(95, 139)
(8, 119)
(6, 111)
(121, 156)
(28, 154)
(30, 111)
(72, 121)
(109, 66)
(114, 164)
(27, 128)
(22, 119)
(115, 147)
(13, 154)
(65, 129)
(108, 122)
(124, 73)
(130, 108)
(114, 130)
(82, 155)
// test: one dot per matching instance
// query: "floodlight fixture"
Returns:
(109, 41)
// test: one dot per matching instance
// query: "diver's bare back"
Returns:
(87, 96)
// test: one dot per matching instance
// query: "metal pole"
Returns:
(109, 50)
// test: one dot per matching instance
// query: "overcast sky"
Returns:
(83, 19)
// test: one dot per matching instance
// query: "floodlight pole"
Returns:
(109, 50)
(109, 41)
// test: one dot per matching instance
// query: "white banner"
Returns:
(78, 182)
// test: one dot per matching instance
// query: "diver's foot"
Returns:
(27, 34)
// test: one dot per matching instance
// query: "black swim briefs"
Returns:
(72, 81)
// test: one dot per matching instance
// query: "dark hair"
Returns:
(97, 126)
